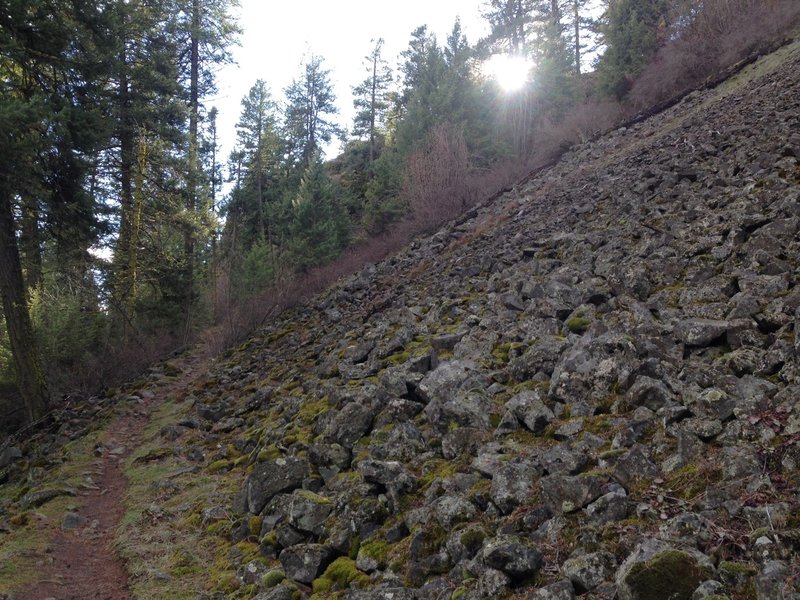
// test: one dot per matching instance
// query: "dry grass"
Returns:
(24, 551)
(167, 550)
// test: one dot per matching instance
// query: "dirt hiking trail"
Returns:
(81, 562)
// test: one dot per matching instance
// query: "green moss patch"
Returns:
(340, 575)
(578, 324)
(670, 574)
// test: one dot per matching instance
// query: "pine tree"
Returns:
(309, 115)
(209, 31)
(256, 123)
(317, 230)
(148, 122)
(510, 22)
(50, 119)
(421, 103)
(371, 99)
(554, 62)
(632, 31)
(583, 30)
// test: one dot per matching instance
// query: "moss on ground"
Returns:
(578, 324)
(153, 545)
(669, 574)
(376, 549)
(24, 548)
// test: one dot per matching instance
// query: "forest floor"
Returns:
(81, 560)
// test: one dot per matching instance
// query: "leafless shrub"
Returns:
(113, 363)
(709, 37)
(436, 177)
(590, 119)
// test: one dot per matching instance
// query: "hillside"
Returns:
(587, 386)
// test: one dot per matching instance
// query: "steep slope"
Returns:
(588, 386)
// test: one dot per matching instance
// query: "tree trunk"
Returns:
(191, 195)
(30, 243)
(372, 104)
(123, 279)
(260, 175)
(577, 17)
(30, 378)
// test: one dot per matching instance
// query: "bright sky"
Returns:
(279, 36)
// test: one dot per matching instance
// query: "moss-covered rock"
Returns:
(373, 554)
(340, 575)
(655, 572)
(272, 578)
(578, 324)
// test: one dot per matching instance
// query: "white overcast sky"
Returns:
(279, 35)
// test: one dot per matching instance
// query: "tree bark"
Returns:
(123, 279)
(373, 95)
(577, 17)
(30, 378)
(194, 167)
(30, 243)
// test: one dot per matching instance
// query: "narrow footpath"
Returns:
(81, 561)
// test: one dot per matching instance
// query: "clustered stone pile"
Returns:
(588, 387)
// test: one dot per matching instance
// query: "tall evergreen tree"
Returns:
(148, 120)
(371, 99)
(421, 102)
(50, 119)
(256, 124)
(209, 31)
(309, 115)
(554, 84)
(583, 30)
(317, 229)
(510, 22)
(632, 31)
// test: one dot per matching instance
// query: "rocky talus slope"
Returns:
(589, 387)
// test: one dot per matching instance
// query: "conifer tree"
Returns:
(317, 230)
(208, 31)
(632, 30)
(510, 22)
(309, 115)
(50, 120)
(371, 99)
(256, 124)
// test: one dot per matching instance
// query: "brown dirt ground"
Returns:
(82, 564)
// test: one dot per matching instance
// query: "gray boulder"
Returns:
(588, 571)
(566, 494)
(513, 557)
(512, 483)
(595, 367)
(450, 510)
(308, 511)
(700, 332)
(657, 570)
(560, 590)
(530, 410)
(773, 582)
(352, 422)
(274, 477)
(305, 562)
(464, 409)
